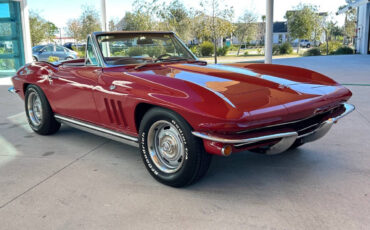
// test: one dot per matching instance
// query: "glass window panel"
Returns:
(48, 49)
(7, 64)
(5, 29)
(90, 55)
(60, 49)
(4, 10)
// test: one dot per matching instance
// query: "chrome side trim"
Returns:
(12, 90)
(117, 136)
(240, 142)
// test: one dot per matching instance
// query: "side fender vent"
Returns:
(115, 112)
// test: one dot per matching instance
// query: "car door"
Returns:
(59, 52)
(71, 89)
(46, 52)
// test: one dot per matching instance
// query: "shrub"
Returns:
(233, 47)
(275, 49)
(332, 45)
(312, 52)
(206, 48)
(344, 50)
(286, 48)
(195, 50)
(222, 51)
(245, 53)
(135, 51)
(81, 53)
(53, 59)
(259, 50)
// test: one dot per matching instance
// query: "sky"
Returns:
(59, 12)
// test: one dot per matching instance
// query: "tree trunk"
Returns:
(327, 42)
(240, 46)
(299, 45)
(215, 50)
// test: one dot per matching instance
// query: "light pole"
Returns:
(103, 15)
(268, 35)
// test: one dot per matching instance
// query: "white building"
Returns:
(15, 39)
(363, 24)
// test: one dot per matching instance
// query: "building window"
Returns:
(11, 40)
(280, 38)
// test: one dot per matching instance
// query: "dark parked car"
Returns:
(43, 52)
(70, 45)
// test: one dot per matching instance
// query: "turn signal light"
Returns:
(226, 150)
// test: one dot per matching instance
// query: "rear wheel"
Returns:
(170, 152)
(34, 58)
(40, 116)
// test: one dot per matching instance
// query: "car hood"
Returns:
(260, 90)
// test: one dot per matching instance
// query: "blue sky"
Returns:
(59, 12)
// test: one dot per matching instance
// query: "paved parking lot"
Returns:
(75, 180)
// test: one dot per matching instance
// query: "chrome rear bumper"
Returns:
(287, 138)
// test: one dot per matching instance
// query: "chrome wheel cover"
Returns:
(166, 147)
(34, 108)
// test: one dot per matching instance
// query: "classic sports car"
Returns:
(152, 92)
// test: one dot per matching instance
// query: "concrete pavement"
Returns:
(75, 180)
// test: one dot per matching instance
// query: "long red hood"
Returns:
(254, 94)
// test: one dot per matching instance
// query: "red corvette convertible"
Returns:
(147, 89)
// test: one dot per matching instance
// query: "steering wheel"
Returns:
(160, 57)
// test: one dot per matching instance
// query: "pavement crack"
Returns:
(52, 175)
(363, 116)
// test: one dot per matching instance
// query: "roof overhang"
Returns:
(352, 4)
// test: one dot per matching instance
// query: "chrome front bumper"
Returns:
(12, 90)
(287, 138)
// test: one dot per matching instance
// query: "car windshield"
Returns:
(123, 49)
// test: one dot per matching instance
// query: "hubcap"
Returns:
(34, 108)
(165, 146)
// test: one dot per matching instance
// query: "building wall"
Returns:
(278, 38)
(15, 44)
(362, 42)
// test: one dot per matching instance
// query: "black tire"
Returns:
(69, 58)
(48, 125)
(308, 46)
(194, 163)
(34, 58)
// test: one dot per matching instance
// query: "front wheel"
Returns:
(39, 113)
(170, 152)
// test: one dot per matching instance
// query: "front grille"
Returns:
(302, 126)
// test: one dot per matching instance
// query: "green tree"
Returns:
(302, 21)
(50, 31)
(175, 17)
(87, 23)
(90, 21)
(41, 29)
(112, 25)
(74, 29)
(136, 21)
(216, 21)
(350, 23)
(246, 28)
